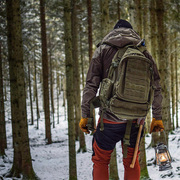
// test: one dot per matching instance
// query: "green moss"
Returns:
(144, 174)
(72, 178)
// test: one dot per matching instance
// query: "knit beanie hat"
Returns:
(123, 23)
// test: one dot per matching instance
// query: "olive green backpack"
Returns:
(128, 90)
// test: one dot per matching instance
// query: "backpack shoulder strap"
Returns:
(116, 60)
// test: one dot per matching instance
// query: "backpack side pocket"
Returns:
(106, 90)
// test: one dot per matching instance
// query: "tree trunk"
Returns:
(153, 29)
(64, 91)
(177, 85)
(155, 139)
(45, 72)
(82, 60)
(172, 66)
(36, 94)
(22, 162)
(30, 94)
(5, 91)
(76, 83)
(138, 16)
(5, 83)
(113, 175)
(90, 39)
(118, 10)
(146, 24)
(64, 95)
(132, 14)
(77, 93)
(148, 122)
(153, 32)
(3, 142)
(51, 81)
(69, 89)
(57, 91)
(142, 160)
(105, 27)
(142, 29)
(163, 65)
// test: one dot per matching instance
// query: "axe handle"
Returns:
(137, 146)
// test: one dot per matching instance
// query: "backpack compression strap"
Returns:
(94, 103)
(126, 139)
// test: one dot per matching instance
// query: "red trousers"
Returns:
(101, 160)
(102, 150)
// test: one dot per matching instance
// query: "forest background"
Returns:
(45, 50)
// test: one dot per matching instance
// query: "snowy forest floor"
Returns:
(50, 162)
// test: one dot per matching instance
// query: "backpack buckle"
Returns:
(126, 141)
(115, 64)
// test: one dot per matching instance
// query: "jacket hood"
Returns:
(121, 37)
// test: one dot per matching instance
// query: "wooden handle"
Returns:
(136, 147)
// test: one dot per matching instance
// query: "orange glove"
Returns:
(82, 125)
(156, 125)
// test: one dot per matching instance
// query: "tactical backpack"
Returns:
(128, 90)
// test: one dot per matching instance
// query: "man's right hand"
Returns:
(156, 125)
(83, 125)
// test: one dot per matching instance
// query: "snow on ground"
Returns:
(50, 162)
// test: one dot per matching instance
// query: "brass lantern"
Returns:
(163, 157)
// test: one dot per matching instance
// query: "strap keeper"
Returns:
(114, 64)
(126, 141)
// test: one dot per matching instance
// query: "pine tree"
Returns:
(172, 66)
(22, 163)
(118, 10)
(3, 142)
(177, 85)
(90, 39)
(142, 160)
(142, 29)
(51, 79)
(105, 24)
(36, 93)
(30, 93)
(163, 64)
(153, 30)
(76, 84)
(45, 72)
(77, 95)
(69, 89)
(138, 16)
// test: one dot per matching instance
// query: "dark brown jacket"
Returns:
(100, 64)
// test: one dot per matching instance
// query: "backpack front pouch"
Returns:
(133, 89)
